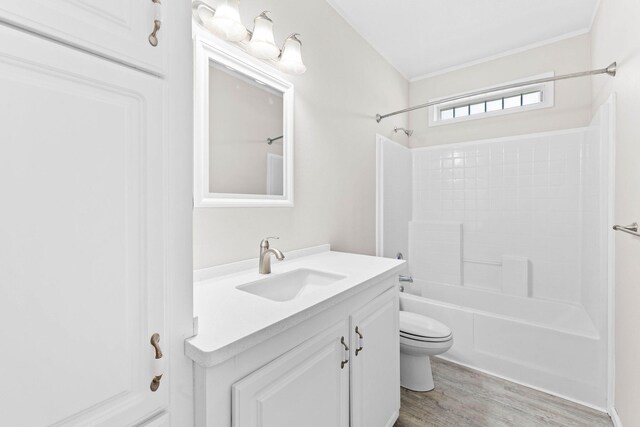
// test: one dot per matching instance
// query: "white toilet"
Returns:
(420, 338)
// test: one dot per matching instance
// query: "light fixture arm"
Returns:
(292, 36)
(264, 15)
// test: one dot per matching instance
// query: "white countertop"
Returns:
(230, 321)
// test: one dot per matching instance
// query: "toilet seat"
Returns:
(413, 338)
(419, 328)
(425, 347)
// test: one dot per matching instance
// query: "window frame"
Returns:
(548, 95)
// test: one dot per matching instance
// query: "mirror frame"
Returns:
(207, 50)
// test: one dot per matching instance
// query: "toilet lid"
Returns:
(422, 326)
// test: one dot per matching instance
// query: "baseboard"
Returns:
(502, 377)
(393, 419)
(615, 417)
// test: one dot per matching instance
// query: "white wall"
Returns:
(616, 37)
(572, 97)
(346, 84)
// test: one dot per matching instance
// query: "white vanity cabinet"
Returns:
(375, 364)
(323, 382)
(307, 386)
(117, 29)
(308, 366)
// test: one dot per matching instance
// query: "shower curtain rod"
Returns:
(610, 70)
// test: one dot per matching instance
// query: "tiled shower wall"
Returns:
(519, 197)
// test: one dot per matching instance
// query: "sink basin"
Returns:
(292, 284)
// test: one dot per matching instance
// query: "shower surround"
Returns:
(481, 207)
(508, 245)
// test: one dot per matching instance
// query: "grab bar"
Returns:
(629, 229)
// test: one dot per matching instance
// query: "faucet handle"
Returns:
(265, 242)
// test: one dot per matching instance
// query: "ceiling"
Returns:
(421, 37)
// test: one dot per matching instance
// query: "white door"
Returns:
(161, 420)
(118, 29)
(375, 370)
(81, 237)
(308, 386)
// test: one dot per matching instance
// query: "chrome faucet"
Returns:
(407, 279)
(265, 255)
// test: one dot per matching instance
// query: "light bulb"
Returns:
(291, 57)
(226, 23)
(262, 44)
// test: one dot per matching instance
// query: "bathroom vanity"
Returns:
(315, 342)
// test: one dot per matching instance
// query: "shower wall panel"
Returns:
(515, 197)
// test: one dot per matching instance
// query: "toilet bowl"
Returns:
(420, 338)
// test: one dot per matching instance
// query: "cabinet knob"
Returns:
(346, 354)
(360, 341)
(158, 365)
(157, 23)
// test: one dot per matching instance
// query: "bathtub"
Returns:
(547, 345)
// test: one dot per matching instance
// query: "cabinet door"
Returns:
(161, 420)
(81, 237)
(308, 386)
(375, 370)
(118, 29)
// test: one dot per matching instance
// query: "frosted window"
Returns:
(490, 104)
(462, 111)
(513, 101)
(446, 114)
(494, 105)
(532, 98)
(477, 108)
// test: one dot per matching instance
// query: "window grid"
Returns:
(493, 104)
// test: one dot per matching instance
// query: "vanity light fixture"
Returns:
(291, 56)
(224, 22)
(262, 44)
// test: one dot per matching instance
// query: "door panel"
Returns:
(307, 386)
(161, 420)
(375, 371)
(118, 29)
(81, 236)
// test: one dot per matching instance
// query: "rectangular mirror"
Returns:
(243, 130)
